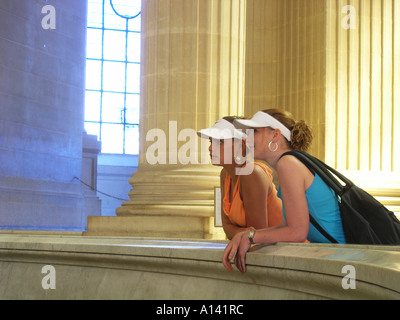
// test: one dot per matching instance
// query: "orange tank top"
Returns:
(235, 209)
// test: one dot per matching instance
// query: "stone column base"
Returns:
(155, 226)
(166, 202)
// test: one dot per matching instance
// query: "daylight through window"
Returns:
(113, 74)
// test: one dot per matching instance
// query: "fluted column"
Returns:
(192, 75)
(363, 85)
(285, 61)
(335, 64)
(363, 100)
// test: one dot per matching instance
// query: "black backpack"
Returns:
(365, 220)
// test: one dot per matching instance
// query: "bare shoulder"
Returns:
(257, 179)
(256, 173)
(290, 169)
(289, 163)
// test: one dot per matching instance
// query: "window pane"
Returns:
(127, 8)
(132, 108)
(112, 86)
(94, 43)
(95, 13)
(113, 107)
(114, 45)
(114, 76)
(93, 75)
(133, 47)
(133, 78)
(93, 128)
(111, 20)
(112, 138)
(132, 139)
(92, 106)
(135, 24)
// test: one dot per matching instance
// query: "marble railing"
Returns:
(76, 267)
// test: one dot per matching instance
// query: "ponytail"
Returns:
(301, 136)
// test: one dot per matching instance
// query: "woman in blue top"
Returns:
(302, 192)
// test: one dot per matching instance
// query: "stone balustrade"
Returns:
(143, 268)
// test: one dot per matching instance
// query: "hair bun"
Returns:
(301, 136)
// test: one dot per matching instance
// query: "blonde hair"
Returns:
(301, 133)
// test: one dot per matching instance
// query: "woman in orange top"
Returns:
(249, 197)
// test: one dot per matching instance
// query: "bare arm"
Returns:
(294, 179)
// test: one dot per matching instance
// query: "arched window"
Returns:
(113, 74)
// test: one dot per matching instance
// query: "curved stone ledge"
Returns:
(142, 268)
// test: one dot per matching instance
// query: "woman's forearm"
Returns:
(231, 230)
(280, 234)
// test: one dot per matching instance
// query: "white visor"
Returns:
(222, 130)
(263, 120)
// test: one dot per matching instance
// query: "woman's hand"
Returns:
(237, 247)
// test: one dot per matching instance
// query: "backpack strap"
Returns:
(324, 171)
(317, 166)
(321, 230)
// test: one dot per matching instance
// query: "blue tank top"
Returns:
(324, 208)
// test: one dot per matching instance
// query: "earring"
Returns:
(269, 146)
